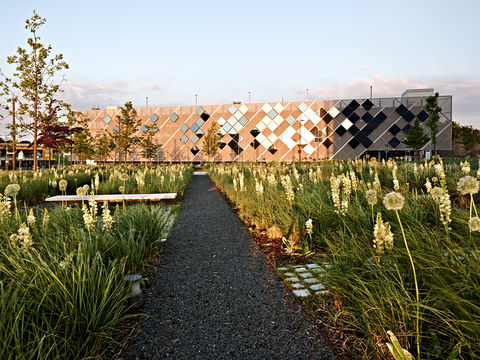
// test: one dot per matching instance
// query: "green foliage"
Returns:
(128, 124)
(147, 144)
(373, 292)
(211, 141)
(32, 84)
(433, 110)
(468, 136)
(83, 143)
(64, 298)
(416, 138)
(103, 146)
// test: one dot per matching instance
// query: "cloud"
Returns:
(83, 95)
(466, 93)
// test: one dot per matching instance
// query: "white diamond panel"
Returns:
(232, 121)
(272, 126)
(278, 108)
(272, 137)
(244, 109)
(261, 126)
(308, 149)
(221, 121)
(266, 108)
(333, 112)
(238, 126)
(238, 115)
(346, 124)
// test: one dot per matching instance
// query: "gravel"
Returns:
(215, 297)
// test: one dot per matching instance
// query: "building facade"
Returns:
(319, 129)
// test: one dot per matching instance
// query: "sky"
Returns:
(169, 51)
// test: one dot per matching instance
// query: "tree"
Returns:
(83, 140)
(468, 136)
(53, 133)
(432, 108)
(146, 143)
(32, 83)
(416, 138)
(103, 146)
(211, 142)
(128, 125)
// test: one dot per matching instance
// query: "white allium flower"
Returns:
(474, 224)
(46, 218)
(97, 181)
(258, 187)
(123, 176)
(465, 167)
(62, 185)
(121, 188)
(88, 219)
(394, 201)
(371, 196)
(468, 185)
(434, 179)
(383, 235)
(5, 206)
(25, 237)
(428, 185)
(31, 218)
(436, 193)
(106, 217)
(309, 227)
(81, 192)
(12, 190)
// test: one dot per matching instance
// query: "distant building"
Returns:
(320, 129)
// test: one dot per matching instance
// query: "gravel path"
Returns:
(215, 297)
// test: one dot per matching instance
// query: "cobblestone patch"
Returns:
(304, 280)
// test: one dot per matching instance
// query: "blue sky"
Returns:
(221, 50)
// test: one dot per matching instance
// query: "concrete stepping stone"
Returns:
(301, 293)
(292, 279)
(297, 285)
(317, 287)
(306, 275)
(311, 281)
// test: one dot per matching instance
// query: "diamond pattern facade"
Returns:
(275, 131)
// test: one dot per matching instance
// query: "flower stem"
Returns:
(416, 287)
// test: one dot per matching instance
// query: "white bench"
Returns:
(113, 198)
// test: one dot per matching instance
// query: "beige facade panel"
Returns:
(276, 131)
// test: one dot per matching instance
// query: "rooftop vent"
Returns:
(237, 102)
(95, 107)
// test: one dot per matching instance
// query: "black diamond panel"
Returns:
(328, 143)
(272, 150)
(255, 144)
(367, 117)
(394, 129)
(205, 116)
(340, 130)
(407, 128)
(402, 110)
(381, 117)
(367, 104)
(365, 141)
(222, 144)
(235, 137)
(233, 145)
(353, 105)
(194, 150)
(353, 129)
(327, 118)
(353, 143)
(422, 115)
(354, 118)
(255, 132)
(347, 111)
(394, 142)
(409, 116)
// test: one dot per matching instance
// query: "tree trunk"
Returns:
(35, 134)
